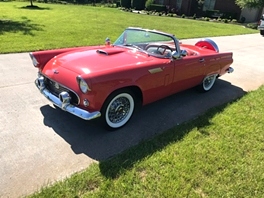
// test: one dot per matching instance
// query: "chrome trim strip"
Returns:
(155, 70)
(86, 115)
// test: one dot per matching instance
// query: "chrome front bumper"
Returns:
(63, 102)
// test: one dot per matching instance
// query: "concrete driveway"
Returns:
(41, 144)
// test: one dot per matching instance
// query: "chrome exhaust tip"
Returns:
(230, 70)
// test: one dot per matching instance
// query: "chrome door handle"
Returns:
(201, 60)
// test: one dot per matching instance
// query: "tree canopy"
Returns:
(250, 3)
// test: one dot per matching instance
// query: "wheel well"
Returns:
(136, 90)
(138, 93)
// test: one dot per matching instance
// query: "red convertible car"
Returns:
(112, 80)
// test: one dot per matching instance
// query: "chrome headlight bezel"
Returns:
(83, 86)
(34, 60)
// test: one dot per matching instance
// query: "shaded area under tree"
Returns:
(25, 26)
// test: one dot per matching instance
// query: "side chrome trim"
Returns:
(155, 70)
(65, 105)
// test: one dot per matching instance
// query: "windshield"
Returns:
(155, 43)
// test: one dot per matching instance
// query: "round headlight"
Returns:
(83, 86)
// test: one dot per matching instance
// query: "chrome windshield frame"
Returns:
(177, 53)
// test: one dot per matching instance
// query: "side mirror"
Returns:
(177, 55)
(184, 53)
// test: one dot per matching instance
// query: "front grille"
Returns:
(56, 89)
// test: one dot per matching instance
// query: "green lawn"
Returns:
(57, 26)
(219, 154)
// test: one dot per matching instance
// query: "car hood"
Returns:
(102, 59)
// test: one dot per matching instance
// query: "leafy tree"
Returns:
(31, 3)
(250, 3)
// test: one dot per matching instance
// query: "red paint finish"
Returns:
(109, 68)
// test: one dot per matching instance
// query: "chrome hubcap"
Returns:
(118, 110)
(208, 81)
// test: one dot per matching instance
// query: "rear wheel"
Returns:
(118, 109)
(262, 32)
(208, 83)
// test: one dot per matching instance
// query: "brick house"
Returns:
(226, 7)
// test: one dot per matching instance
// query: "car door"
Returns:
(188, 72)
(156, 81)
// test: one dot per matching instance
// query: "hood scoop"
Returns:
(102, 52)
(109, 51)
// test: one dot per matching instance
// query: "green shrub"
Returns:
(212, 13)
(148, 3)
(252, 25)
(158, 8)
(205, 18)
(225, 20)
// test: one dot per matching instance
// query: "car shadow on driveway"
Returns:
(89, 137)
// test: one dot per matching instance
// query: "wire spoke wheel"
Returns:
(118, 109)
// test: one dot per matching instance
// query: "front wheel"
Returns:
(118, 109)
(262, 32)
(208, 83)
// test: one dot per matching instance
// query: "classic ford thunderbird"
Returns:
(111, 80)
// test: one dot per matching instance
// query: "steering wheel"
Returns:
(164, 47)
(158, 51)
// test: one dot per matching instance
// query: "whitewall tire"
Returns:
(118, 109)
(208, 83)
